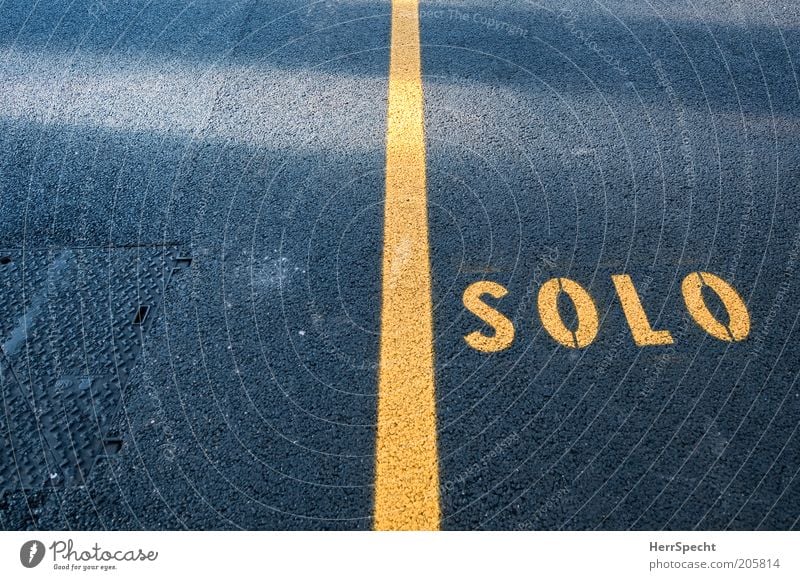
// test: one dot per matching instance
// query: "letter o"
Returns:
(739, 326)
(588, 322)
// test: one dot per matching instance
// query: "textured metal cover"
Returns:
(71, 326)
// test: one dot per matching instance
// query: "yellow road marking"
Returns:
(739, 324)
(503, 328)
(643, 333)
(407, 467)
(588, 322)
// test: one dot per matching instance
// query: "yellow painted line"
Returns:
(407, 466)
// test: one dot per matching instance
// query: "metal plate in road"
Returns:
(72, 328)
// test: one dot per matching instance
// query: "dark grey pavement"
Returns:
(222, 164)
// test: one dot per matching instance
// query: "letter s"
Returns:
(503, 327)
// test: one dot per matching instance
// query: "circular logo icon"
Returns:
(31, 553)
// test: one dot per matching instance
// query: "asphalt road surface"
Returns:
(217, 286)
